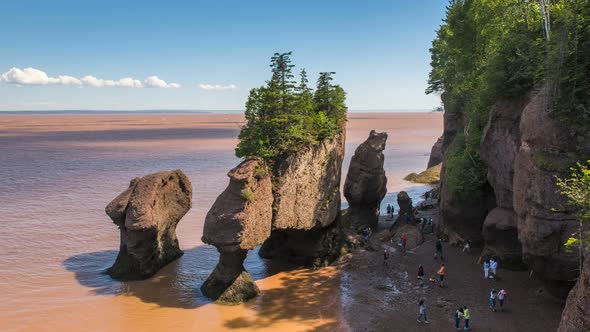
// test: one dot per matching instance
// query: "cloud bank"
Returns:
(32, 76)
(216, 87)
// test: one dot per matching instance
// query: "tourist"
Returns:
(426, 195)
(385, 256)
(467, 316)
(439, 250)
(404, 242)
(501, 298)
(392, 210)
(467, 247)
(493, 268)
(422, 224)
(441, 275)
(422, 312)
(486, 269)
(458, 315)
(493, 295)
(388, 210)
(420, 274)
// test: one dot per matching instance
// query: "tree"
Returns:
(577, 190)
(282, 117)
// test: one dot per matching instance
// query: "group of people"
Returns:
(425, 224)
(500, 296)
(490, 268)
(465, 314)
(390, 210)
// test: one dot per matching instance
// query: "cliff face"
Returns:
(576, 314)
(436, 153)
(546, 149)
(147, 214)
(306, 189)
(459, 220)
(523, 219)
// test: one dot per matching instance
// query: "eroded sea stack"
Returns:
(147, 214)
(520, 218)
(239, 220)
(406, 208)
(292, 208)
(306, 207)
(366, 183)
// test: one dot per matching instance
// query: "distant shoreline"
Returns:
(127, 112)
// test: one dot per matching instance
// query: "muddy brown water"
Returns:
(58, 172)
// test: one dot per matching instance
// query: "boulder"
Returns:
(406, 209)
(576, 314)
(436, 153)
(366, 183)
(147, 214)
(239, 220)
(414, 236)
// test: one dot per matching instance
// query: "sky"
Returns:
(208, 54)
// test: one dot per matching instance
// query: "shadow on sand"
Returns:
(176, 285)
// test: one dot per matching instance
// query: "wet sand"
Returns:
(58, 172)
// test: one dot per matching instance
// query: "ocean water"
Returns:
(59, 171)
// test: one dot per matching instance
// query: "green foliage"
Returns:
(282, 117)
(247, 194)
(488, 50)
(466, 173)
(577, 190)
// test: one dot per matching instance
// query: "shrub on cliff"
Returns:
(283, 117)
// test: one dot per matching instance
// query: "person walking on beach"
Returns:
(467, 316)
(493, 295)
(458, 315)
(467, 247)
(385, 257)
(493, 268)
(441, 275)
(439, 250)
(388, 210)
(404, 242)
(420, 274)
(422, 312)
(501, 297)
(486, 269)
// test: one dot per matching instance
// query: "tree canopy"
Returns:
(284, 116)
(488, 50)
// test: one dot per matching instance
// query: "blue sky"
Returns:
(208, 54)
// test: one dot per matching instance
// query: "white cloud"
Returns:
(155, 82)
(217, 87)
(32, 76)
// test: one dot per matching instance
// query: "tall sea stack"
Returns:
(366, 183)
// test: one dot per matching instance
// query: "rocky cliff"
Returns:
(436, 153)
(576, 314)
(147, 214)
(366, 183)
(521, 218)
(306, 190)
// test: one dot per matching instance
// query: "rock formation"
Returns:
(366, 183)
(306, 208)
(576, 314)
(436, 153)
(521, 219)
(458, 220)
(406, 209)
(147, 214)
(239, 220)
(413, 235)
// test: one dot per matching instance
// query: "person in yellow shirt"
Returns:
(466, 317)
